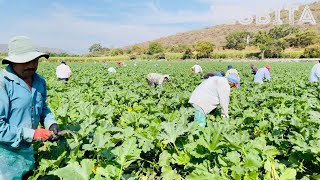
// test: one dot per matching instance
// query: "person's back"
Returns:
(112, 70)
(315, 73)
(208, 94)
(261, 74)
(63, 71)
(196, 69)
(155, 79)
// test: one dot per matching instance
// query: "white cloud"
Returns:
(64, 30)
(67, 28)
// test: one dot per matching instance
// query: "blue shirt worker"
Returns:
(231, 70)
(262, 73)
(22, 106)
(315, 73)
(211, 93)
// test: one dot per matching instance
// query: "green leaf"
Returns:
(181, 159)
(76, 171)
(233, 157)
(127, 153)
(169, 174)
(212, 136)
(171, 131)
(288, 174)
(253, 161)
(164, 159)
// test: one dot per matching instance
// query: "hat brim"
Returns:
(24, 58)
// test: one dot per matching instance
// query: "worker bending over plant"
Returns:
(155, 79)
(211, 93)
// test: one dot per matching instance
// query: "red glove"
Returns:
(42, 134)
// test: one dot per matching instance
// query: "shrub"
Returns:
(312, 51)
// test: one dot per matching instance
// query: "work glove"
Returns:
(42, 134)
(55, 129)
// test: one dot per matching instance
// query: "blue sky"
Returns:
(74, 25)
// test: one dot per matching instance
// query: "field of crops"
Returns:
(128, 130)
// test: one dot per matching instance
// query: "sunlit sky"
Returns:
(74, 25)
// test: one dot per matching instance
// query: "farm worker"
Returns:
(210, 93)
(231, 70)
(196, 69)
(254, 69)
(112, 70)
(22, 106)
(315, 73)
(120, 63)
(211, 74)
(63, 71)
(155, 79)
(262, 73)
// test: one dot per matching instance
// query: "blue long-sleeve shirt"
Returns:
(21, 109)
(261, 74)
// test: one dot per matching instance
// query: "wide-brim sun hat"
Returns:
(22, 50)
(234, 79)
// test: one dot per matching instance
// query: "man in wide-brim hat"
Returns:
(22, 106)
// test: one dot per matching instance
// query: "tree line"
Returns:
(270, 44)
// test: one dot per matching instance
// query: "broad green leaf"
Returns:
(74, 170)
(288, 174)
(127, 153)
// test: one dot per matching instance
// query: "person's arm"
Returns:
(224, 93)
(69, 71)
(46, 117)
(11, 135)
(267, 75)
(57, 72)
(318, 72)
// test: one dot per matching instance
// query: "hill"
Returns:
(217, 34)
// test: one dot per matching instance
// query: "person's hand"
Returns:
(42, 134)
(55, 129)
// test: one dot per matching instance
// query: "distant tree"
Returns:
(282, 31)
(303, 39)
(275, 47)
(312, 51)
(262, 40)
(203, 49)
(127, 51)
(137, 50)
(61, 54)
(154, 48)
(95, 48)
(180, 48)
(116, 52)
(238, 40)
(187, 54)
